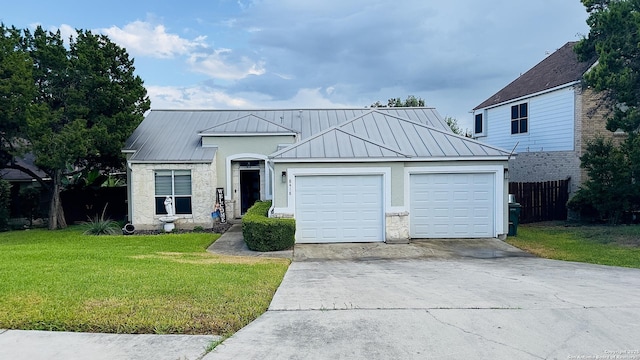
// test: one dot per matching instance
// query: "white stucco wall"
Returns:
(203, 186)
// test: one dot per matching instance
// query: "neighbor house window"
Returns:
(519, 119)
(478, 128)
(174, 183)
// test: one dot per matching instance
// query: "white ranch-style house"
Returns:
(345, 175)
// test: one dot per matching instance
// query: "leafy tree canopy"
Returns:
(613, 38)
(613, 187)
(411, 101)
(71, 105)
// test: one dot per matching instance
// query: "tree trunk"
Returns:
(56, 213)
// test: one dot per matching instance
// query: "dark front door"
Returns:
(249, 188)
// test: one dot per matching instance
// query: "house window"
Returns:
(174, 183)
(519, 117)
(478, 128)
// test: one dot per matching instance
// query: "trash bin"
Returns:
(514, 218)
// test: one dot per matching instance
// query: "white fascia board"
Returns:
(128, 151)
(170, 161)
(529, 96)
(335, 160)
(413, 159)
(245, 134)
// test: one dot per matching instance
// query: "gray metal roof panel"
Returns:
(174, 135)
(337, 144)
(248, 124)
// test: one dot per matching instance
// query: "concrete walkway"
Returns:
(232, 243)
(53, 345)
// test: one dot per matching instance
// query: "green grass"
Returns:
(64, 280)
(605, 245)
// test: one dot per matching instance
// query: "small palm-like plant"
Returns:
(99, 225)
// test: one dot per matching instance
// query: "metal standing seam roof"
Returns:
(248, 124)
(175, 135)
(379, 135)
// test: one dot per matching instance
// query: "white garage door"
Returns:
(452, 205)
(339, 208)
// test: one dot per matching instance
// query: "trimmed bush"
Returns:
(262, 233)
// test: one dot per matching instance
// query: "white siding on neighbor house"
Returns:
(550, 123)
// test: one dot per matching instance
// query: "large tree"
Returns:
(84, 101)
(614, 39)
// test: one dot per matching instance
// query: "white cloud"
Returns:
(204, 97)
(224, 64)
(194, 97)
(143, 38)
(66, 31)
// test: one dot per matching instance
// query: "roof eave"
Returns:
(246, 134)
(528, 96)
(393, 159)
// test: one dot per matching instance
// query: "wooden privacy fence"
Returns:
(541, 201)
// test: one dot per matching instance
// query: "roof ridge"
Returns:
(246, 116)
(338, 128)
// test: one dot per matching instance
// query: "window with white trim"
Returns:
(478, 125)
(519, 119)
(177, 185)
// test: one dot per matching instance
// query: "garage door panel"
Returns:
(452, 205)
(349, 208)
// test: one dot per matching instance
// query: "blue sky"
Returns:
(221, 54)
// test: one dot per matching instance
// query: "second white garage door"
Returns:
(452, 205)
(339, 208)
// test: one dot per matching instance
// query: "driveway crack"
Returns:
(482, 337)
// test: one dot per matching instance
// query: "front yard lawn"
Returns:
(64, 280)
(605, 245)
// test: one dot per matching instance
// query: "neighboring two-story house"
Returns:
(547, 116)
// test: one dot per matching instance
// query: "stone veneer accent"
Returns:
(397, 228)
(203, 186)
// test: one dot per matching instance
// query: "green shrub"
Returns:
(5, 198)
(262, 233)
(99, 225)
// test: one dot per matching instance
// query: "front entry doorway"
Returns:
(249, 189)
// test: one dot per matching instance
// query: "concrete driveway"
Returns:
(447, 301)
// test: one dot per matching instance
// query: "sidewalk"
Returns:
(50, 345)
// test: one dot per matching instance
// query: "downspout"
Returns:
(273, 188)
(129, 192)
